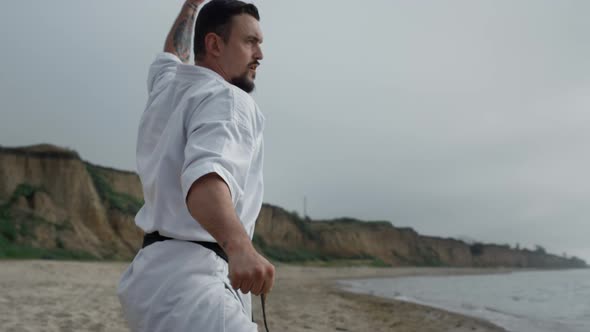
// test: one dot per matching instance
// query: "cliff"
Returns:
(51, 199)
(285, 236)
(55, 205)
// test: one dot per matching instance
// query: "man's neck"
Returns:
(212, 66)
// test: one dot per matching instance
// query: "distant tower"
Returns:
(305, 207)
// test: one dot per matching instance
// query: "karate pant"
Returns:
(179, 286)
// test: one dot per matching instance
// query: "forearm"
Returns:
(209, 202)
(179, 40)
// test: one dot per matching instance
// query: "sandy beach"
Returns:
(80, 296)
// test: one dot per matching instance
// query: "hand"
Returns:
(251, 272)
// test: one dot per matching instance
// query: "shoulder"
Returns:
(248, 111)
(161, 71)
(215, 99)
(207, 98)
(245, 109)
(233, 104)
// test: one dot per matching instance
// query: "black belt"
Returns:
(151, 238)
(156, 237)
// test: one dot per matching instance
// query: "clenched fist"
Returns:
(250, 272)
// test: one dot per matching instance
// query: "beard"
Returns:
(244, 82)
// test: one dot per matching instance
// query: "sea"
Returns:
(529, 301)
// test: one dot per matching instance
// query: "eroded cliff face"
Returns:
(284, 235)
(53, 200)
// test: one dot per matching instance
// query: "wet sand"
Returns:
(81, 296)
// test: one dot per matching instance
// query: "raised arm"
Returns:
(179, 40)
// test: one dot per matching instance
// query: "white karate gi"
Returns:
(194, 123)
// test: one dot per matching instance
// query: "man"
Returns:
(199, 157)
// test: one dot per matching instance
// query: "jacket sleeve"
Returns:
(162, 70)
(217, 142)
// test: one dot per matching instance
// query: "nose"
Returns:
(258, 55)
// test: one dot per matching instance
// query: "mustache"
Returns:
(254, 63)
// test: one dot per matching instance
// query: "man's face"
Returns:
(241, 54)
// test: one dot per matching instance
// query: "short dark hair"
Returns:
(216, 17)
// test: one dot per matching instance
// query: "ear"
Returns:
(213, 44)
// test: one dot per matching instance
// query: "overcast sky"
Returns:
(455, 118)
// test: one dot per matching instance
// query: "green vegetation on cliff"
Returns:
(16, 232)
(122, 202)
(8, 228)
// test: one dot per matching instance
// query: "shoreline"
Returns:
(325, 306)
(490, 325)
(464, 322)
(81, 296)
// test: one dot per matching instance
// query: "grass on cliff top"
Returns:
(122, 202)
(353, 222)
(10, 232)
